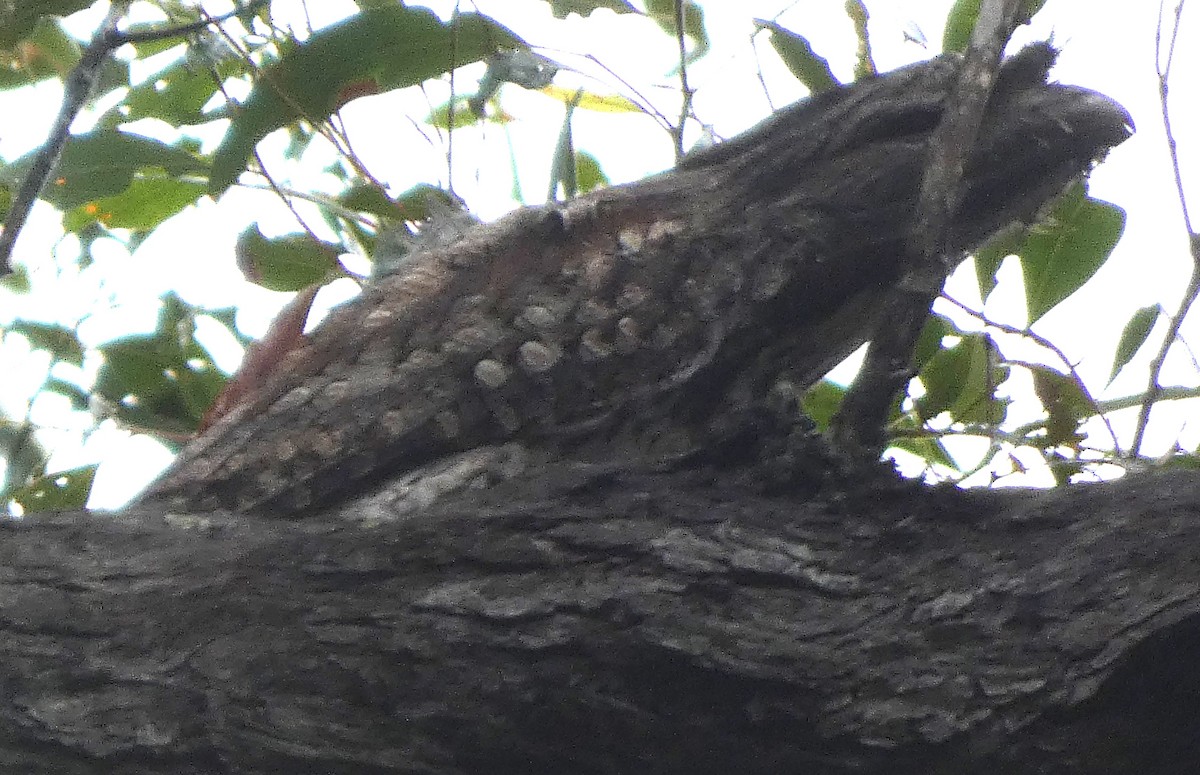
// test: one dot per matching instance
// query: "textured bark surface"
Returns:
(592, 622)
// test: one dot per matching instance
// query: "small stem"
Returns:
(685, 108)
(1192, 292)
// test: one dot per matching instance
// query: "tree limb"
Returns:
(594, 621)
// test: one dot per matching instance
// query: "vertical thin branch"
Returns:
(450, 105)
(1162, 66)
(857, 431)
(685, 108)
(758, 71)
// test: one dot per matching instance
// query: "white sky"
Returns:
(1107, 45)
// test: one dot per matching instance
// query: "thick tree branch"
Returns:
(592, 621)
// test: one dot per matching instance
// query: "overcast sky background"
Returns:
(1107, 45)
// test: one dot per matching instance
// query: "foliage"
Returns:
(114, 182)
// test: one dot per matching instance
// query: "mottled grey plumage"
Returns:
(628, 322)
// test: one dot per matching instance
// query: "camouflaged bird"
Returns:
(627, 322)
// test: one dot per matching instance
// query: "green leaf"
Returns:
(929, 449)
(563, 8)
(588, 174)
(1065, 403)
(464, 115)
(145, 204)
(370, 198)
(103, 163)
(176, 95)
(17, 281)
(810, 68)
(63, 343)
(822, 402)
(663, 12)
(23, 455)
(1063, 251)
(79, 398)
(1137, 330)
(378, 49)
(59, 491)
(48, 52)
(1062, 467)
(162, 382)
(929, 343)
(18, 18)
(562, 163)
(962, 380)
(51, 52)
(288, 263)
(300, 138)
(960, 23)
(598, 103)
(414, 204)
(1189, 461)
(989, 257)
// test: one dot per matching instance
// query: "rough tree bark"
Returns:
(600, 622)
(660, 575)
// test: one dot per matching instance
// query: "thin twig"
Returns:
(685, 107)
(762, 79)
(324, 128)
(77, 90)
(450, 105)
(319, 200)
(623, 86)
(1020, 435)
(183, 30)
(1053, 348)
(1192, 292)
(262, 167)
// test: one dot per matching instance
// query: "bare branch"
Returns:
(685, 107)
(857, 430)
(1163, 59)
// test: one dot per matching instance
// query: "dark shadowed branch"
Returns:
(592, 621)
